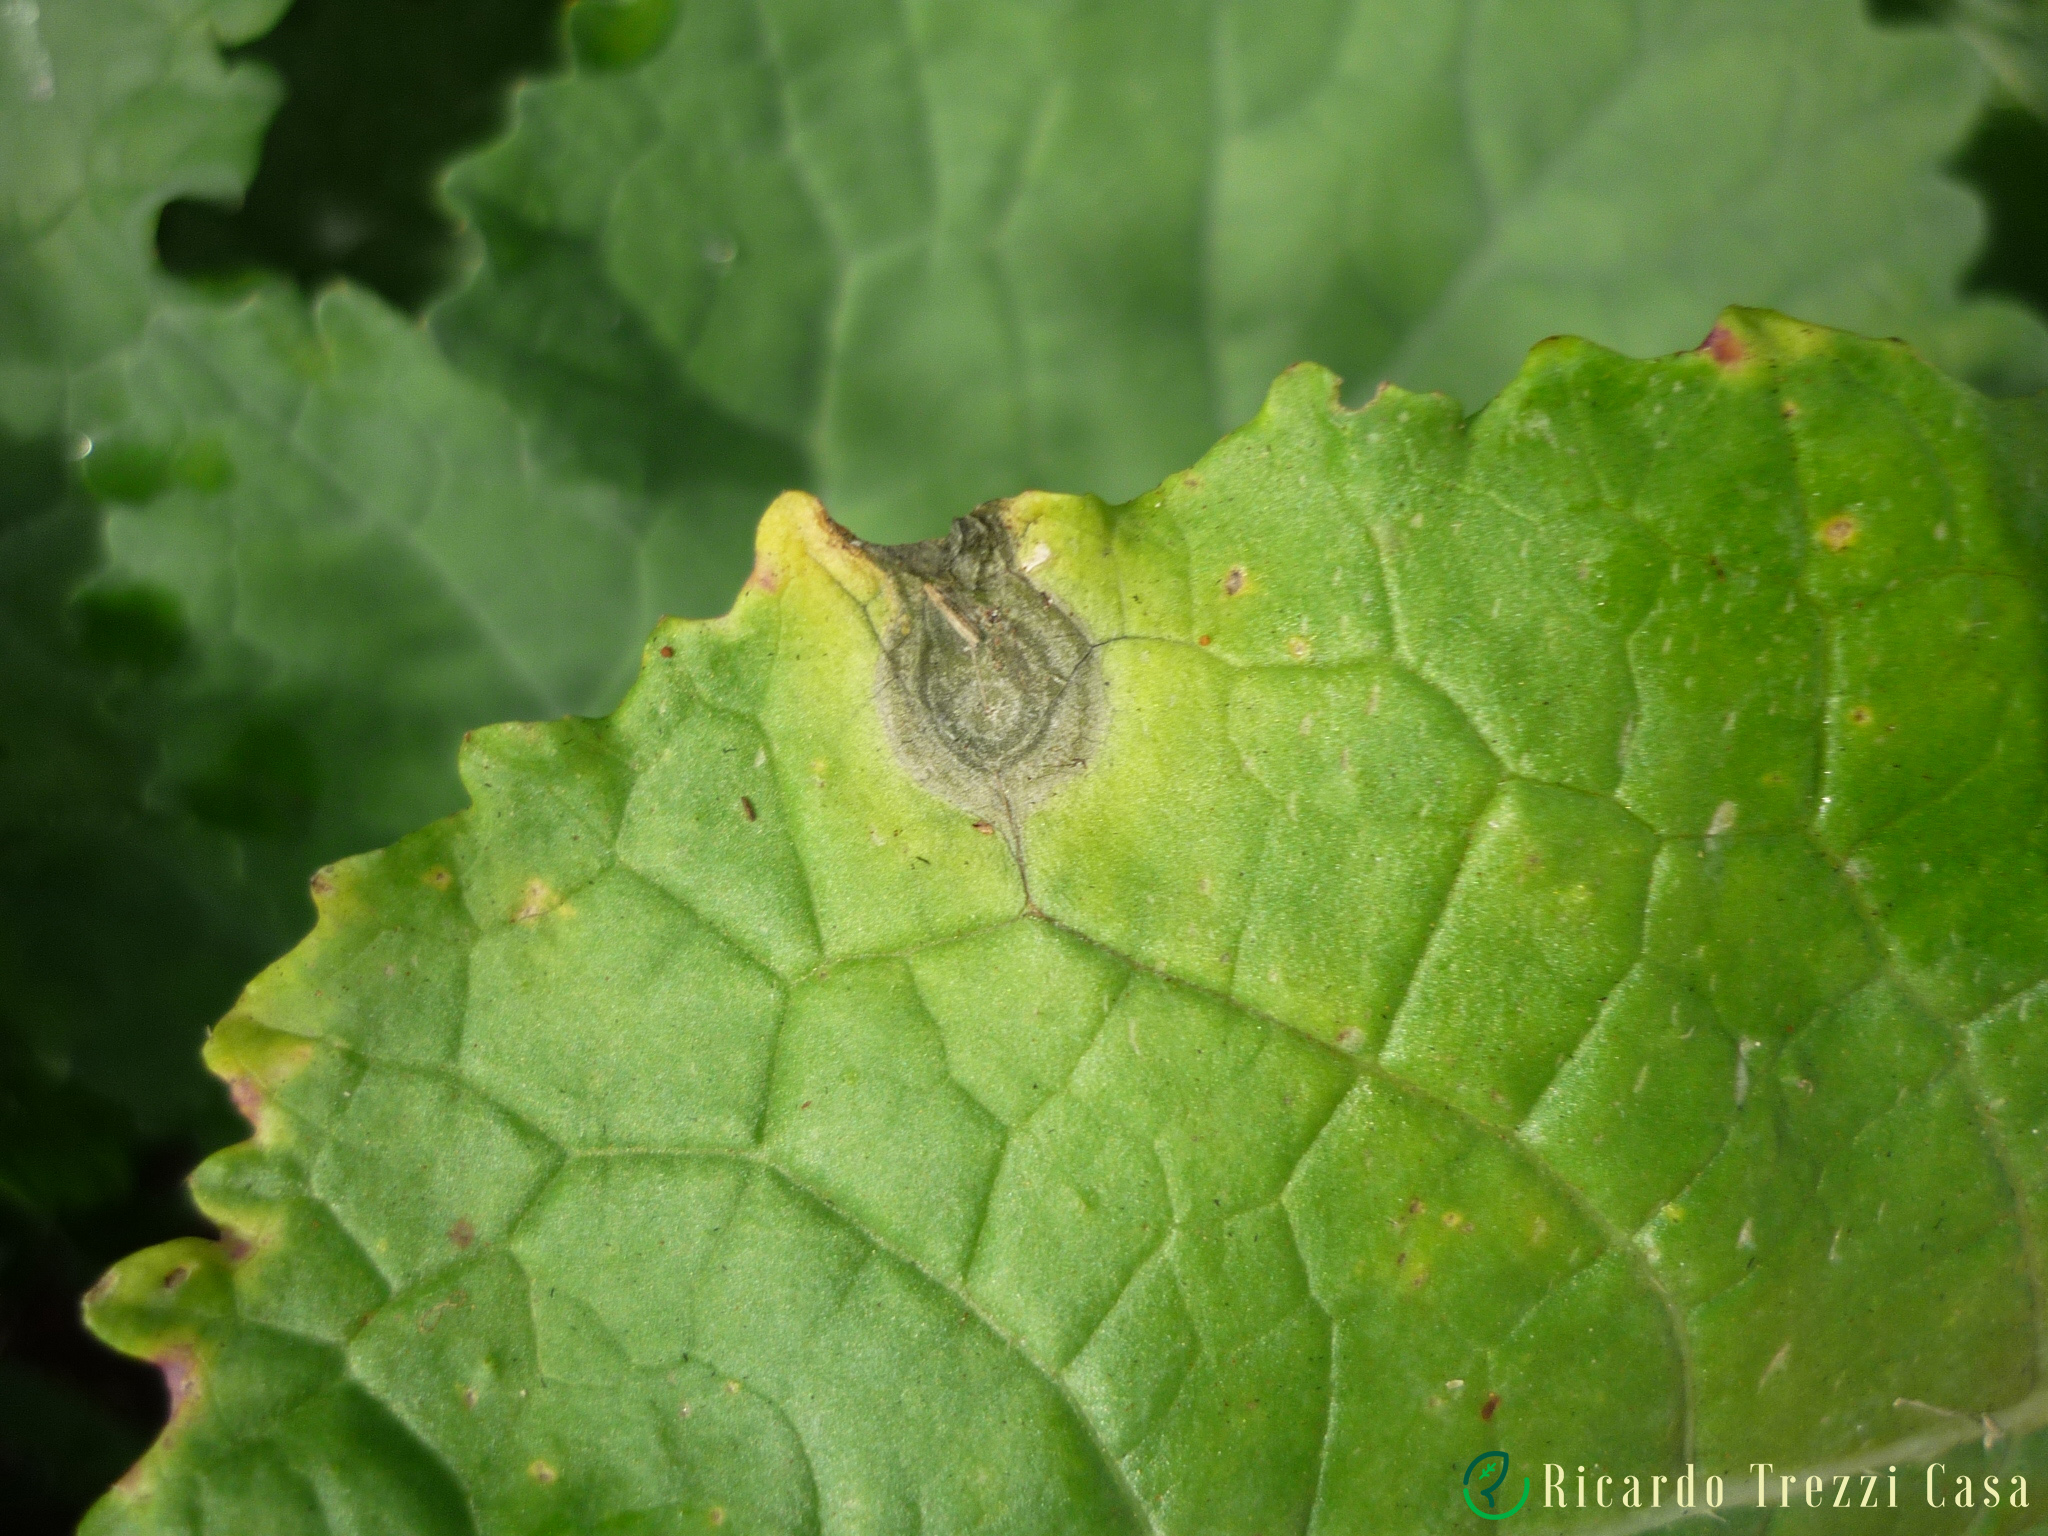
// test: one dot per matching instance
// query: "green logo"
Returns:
(1489, 1484)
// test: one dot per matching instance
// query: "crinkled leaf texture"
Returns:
(1542, 944)
(940, 250)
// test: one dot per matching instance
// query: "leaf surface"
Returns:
(941, 251)
(107, 111)
(1416, 935)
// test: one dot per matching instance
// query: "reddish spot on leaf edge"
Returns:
(248, 1098)
(1724, 347)
(181, 1381)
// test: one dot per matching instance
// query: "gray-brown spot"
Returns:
(989, 690)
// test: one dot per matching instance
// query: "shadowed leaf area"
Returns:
(1533, 933)
(2007, 158)
(378, 97)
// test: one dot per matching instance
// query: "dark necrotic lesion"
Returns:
(991, 692)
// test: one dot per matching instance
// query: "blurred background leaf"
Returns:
(937, 252)
(157, 819)
(899, 257)
(108, 110)
(381, 93)
(2012, 35)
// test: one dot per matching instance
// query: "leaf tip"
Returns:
(795, 529)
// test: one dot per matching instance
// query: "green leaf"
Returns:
(1416, 936)
(2013, 37)
(943, 252)
(368, 554)
(107, 111)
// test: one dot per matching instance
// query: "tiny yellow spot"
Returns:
(1860, 715)
(438, 878)
(1838, 533)
(1299, 648)
(717, 1515)
(1453, 1220)
(732, 1386)
(1674, 1213)
(541, 1472)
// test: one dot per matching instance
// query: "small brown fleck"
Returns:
(1838, 533)
(462, 1234)
(1416, 1207)
(438, 878)
(1203, 640)
(322, 883)
(717, 1515)
(541, 1472)
(1234, 582)
(668, 650)
(1492, 1402)
(1860, 715)
(984, 829)
(469, 1397)
(747, 808)
(177, 1277)
(1400, 1259)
